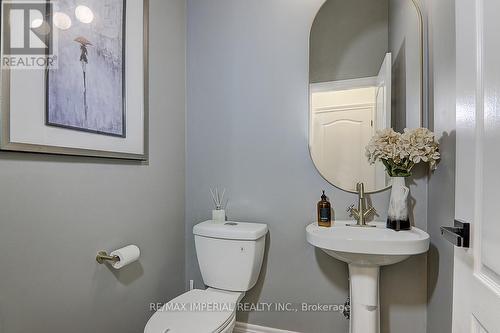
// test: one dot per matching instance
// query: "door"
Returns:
(350, 125)
(383, 100)
(383, 94)
(476, 299)
(343, 116)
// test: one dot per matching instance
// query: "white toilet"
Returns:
(230, 258)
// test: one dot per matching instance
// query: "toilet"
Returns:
(230, 258)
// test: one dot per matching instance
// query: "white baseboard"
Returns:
(247, 328)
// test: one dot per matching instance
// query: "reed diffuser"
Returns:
(219, 213)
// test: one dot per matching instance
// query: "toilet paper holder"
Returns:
(102, 257)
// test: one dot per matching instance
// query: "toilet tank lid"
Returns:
(231, 230)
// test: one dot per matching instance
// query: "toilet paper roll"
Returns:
(127, 255)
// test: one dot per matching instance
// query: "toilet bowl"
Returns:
(200, 311)
(230, 258)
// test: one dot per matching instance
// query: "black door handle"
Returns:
(458, 235)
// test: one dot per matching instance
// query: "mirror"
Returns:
(366, 69)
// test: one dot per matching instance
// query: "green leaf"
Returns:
(402, 169)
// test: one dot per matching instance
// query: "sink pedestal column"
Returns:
(365, 306)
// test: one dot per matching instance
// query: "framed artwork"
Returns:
(86, 91)
(90, 97)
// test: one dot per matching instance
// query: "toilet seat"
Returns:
(200, 311)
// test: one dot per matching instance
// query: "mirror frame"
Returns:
(422, 94)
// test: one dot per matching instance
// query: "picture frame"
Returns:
(24, 123)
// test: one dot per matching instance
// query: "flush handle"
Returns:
(458, 235)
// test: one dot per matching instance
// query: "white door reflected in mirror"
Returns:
(350, 112)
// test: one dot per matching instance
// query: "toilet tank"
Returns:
(230, 254)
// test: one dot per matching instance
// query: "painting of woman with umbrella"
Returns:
(86, 91)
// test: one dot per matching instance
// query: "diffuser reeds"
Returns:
(218, 198)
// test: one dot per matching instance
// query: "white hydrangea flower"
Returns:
(401, 151)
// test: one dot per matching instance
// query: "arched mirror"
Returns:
(366, 69)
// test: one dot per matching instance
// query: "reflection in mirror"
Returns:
(365, 75)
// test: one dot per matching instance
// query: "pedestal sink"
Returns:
(365, 250)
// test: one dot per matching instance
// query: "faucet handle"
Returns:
(353, 212)
(350, 208)
(369, 211)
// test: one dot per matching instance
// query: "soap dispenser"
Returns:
(324, 212)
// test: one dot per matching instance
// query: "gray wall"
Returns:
(404, 32)
(57, 212)
(442, 183)
(349, 40)
(247, 131)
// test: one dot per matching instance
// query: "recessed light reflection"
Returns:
(84, 14)
(42, 28)
(62, 21)
(36, 23)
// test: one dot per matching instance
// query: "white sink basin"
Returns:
(375, 246)
(365, 250)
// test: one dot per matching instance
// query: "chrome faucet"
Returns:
(363, 211)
